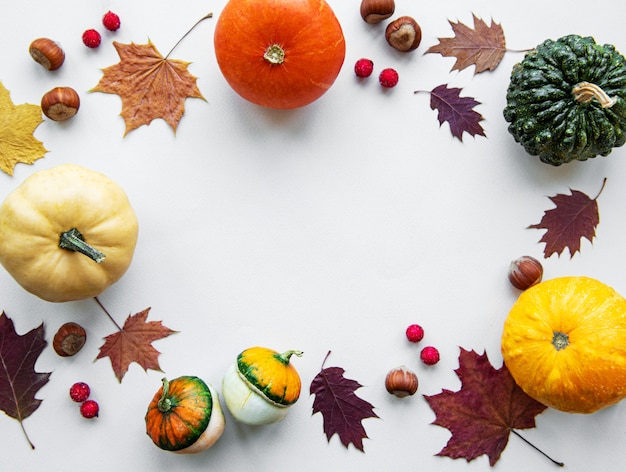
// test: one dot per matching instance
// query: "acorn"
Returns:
(60, 103)
(69, 339)
(401, 382)
(47, 53)
(524, 272)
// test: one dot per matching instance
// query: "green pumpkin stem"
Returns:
(274, 54)
(584, 92)
(285, 356)
(73, 240)
(165, 403)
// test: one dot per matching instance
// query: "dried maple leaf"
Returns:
(484, 46)
(484, 411)
(18, 380)
(456, 110)
(17, 125)
(342, 410)
(133, 343)
(575, 217)
(151, 86)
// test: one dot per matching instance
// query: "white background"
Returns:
(332, 227)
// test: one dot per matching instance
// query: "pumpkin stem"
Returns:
(560, 340)
(274, 54)
(165, 403)
(285, 356)
(73, 240)
(584, 92)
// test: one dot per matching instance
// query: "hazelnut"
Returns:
(47, 53)
(69, 339)
(404, 34)
(401, 382)
(525, 272)
(60, 103)
(375, 11)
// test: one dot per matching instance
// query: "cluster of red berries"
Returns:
(92, 38)
(429, 355)
(79, 392)
(388, 77)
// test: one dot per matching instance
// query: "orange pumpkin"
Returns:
(564, 342)
(279, 53)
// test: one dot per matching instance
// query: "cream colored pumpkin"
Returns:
(51, 202)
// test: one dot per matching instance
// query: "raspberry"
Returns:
(111, 21)
(388, 78)
(91, 38)
(89, 409)
(429, 355)
(363, 67)
(79, 392)
(415, 333)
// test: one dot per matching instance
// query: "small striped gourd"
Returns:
(185, 416)
(261, 385)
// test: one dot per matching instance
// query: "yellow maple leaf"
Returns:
(150, 85)
(17, 124)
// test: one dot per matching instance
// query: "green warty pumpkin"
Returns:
(567, 100)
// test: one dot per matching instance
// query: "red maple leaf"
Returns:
(456, 110)
(575, 217)
(342, 410)
(18, 380)
(133, 343)
(484, 411)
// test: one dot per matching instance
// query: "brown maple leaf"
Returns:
(482, 414)
(19, 383)
(17, 125)
(484, 46)
(133, 343)
(151, 86)
(575, 217)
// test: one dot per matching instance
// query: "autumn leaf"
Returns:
(18, 380)
(484, 46)
(133, 343)
(575, 217)
(17, 125)
(151, 86)
(456, 110)
(484, 411)
(342, 410)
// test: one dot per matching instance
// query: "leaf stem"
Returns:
(560, 464)
(208, 15)
(601, 188)
(107, 313)
(32, 446)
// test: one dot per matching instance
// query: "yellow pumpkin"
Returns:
(564, 342)
(67, 233)
(261, 386)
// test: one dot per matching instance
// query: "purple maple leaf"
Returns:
(457, 111)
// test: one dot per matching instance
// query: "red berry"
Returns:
(89, 409)
(79, 392)
(415, 333)
(429, 355)
(388, 78)
(363, 67)
(111, 21)
(91, 38)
